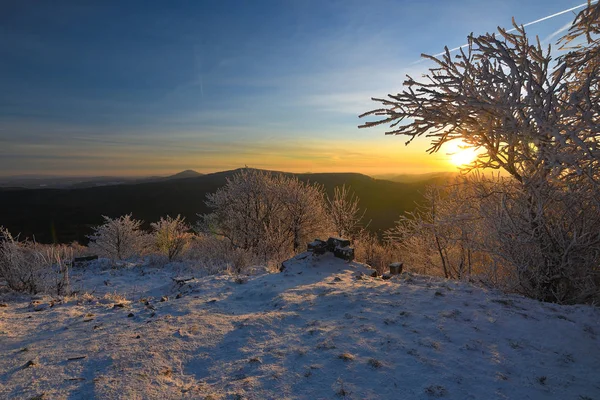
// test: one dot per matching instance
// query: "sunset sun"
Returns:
(460, 154)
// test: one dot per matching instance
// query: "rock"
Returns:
(3, 305)
(84, 259)
(240, 280)
(333, 243)
(396, 268)
(130, 315)
(179, 295)
(180, 280)
(345, 253)
(164, 298)
(41, 307)
(256, 270)
(317, 247)
(386, 276)
(337, 279)
(374, 274)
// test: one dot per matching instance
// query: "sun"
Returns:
(459, 153)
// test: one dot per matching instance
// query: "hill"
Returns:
(313, 331)
(64, 215)
(57, 182)
(438, 177)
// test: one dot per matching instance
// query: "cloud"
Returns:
(528, 24)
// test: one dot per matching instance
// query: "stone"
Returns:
(345, 253)
(41, 307)
(317, 247)
(396, 268)
(181, 280)
(84, 259)
(333, 243)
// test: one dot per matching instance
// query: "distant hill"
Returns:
(64, 215)
(410, 178)
(188, 173)
(54, 182)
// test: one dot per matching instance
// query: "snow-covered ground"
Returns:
(314, 331)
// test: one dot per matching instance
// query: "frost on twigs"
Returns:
(171, 236)
(266, 215)
(536, 229)
(30, 267)
(118, 238)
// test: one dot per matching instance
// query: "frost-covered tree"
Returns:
(344, 211)
(537, 118)
(267, 214)
(30, 267)
(531, 115)
(304, 210)
(171, 235)
(118, 238)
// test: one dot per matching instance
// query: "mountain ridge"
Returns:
(65, 215)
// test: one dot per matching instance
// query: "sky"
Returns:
(153, 87)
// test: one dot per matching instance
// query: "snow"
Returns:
(313, 331)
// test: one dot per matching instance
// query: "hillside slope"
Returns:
(64, 215)
(314, 331)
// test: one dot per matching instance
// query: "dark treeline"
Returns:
(66, 215)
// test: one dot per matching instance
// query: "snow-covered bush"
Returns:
(370, 250)
(266, 214)
(491, 230)
(171, 236)
(34, 268)
(215, 255)
(344, 212)
(118, 238)
(536, 118)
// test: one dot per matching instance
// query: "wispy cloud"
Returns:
(528, 24)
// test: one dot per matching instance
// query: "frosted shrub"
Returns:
(534, 117)
(216, 255)
(545, 246)
(34, 268)
(344, 212)
(119, 238)
(171, 236)
(266, 214)
(370, 250)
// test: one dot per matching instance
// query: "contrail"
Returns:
(527, 24)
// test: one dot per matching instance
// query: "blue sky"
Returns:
(155, 87)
